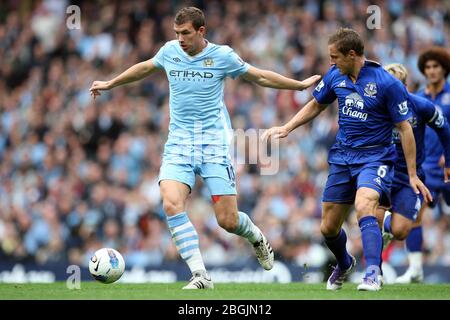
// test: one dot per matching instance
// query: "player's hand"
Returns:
(310, 81)
(442, 161)
(419, 187)
(97, 86)
(446, 170)
(275, 133)
(447, 175)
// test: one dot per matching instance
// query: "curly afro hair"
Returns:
(439, 54)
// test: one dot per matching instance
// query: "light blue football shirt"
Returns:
(198, 115)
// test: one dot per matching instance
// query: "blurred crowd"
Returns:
(77, 175)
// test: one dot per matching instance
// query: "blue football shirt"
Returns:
(368, 112)
(424, 115)
(434, 148)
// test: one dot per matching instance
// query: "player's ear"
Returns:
(352, 54)
(202, 30)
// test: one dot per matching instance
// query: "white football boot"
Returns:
(264, 253)
(199, 280)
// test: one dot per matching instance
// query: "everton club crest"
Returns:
(370, 90)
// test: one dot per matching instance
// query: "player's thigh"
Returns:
(406, 202)
(374, 184)
(405, 210)
(380, 212)
(400, 226)
(340, 187)
(333, 216)
(176, 182)
(366, 202)
(425, 207)
(220, 180)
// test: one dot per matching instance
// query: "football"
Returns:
(106, 265)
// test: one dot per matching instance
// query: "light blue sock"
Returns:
(185, 238)
(247, 228)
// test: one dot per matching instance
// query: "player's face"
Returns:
(434, 71)
(343, 62)
(190, 40)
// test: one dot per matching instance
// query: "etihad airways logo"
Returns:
(189, 75)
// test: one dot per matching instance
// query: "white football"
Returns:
(106, 265)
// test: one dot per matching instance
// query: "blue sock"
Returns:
(415, 239)
(337, 245)
(372, 243)
(387, 224)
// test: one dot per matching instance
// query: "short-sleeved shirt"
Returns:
(434, 148)
(198, 115)
(424, 114)
(368, 112)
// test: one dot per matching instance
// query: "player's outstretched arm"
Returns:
(274, 80)
(134, 73)
(311, 110)
(409, 150)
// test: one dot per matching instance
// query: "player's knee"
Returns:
(400, 232)
(328, 230)
(228, 223)
(172, 206)
(364, 206)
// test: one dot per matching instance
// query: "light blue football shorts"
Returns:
(218, 174)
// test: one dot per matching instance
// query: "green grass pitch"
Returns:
(222, 291)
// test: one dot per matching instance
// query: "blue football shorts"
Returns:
(344, 180)
(434, 180)
(406, 202)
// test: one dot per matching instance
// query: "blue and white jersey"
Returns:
(434, 148)
(368, 111)
(198, 115)
(424, 114)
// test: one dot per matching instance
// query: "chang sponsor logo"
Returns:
(354, 106)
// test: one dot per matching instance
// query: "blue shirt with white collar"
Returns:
(368, 112)
(433, 146)
(424, 115)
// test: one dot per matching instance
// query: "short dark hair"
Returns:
(190, 14)
(347, 39)
(439, 54)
